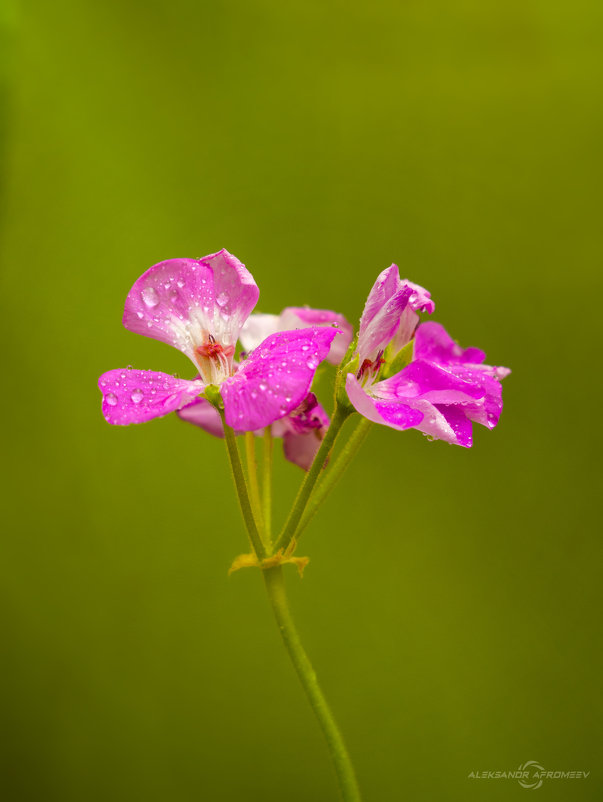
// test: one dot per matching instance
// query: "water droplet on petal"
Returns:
(180, 283)
(137, 396)
(150, 297)
(111, 399)
(262, 386)
(222, 299)
(312, 362)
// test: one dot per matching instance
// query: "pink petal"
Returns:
(275, 378)
(302, 431)
(257, 328)
(181, 301)
(390, 412)
(260, 326)
(295, 317)
(203, 414)
(434, 383)
(383, 289)
(390, 313)
(136, 396)
(300, 449)
(446, 423)
(433, 342)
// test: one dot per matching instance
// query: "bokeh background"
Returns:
(452, 605)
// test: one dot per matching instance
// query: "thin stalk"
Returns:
(275, 586)
(267, 486)
(334, 473)
(339, 417)
(252, 479)
(241, 488)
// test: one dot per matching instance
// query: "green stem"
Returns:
(267, 486)
(339, 416)
(334, 473)
(273, 578)
(252, 478)
(241, 488)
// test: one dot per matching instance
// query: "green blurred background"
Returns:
(452, 606)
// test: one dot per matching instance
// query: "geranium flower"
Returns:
(304, 428)
(440, 392)
(199, 306)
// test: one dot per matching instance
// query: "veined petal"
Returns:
(183, 301)
(388, 411)
(203, 414)
(275, 378)
(377, 335)
(419, 301)
(383, 289)
(390, 313)
(296, 317)
(136, 396)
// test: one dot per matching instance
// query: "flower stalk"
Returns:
(340, 416)
(241, 488)
(334, 473)
(275, 587)
(267, 486)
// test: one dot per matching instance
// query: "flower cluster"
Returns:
(398, 371)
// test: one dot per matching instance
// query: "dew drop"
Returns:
(136, 396)
(140, 315)
(312, 363)
(262, 386)
(222, 299)
(180, 283)
(111, 399)
(150, 297)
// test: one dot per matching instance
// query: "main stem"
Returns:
(273, 578)
(339, 418)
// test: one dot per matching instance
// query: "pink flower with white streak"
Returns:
(304, 428)
(441, 391)
(199, 306)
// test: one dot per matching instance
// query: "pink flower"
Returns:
(304, 428)
(441, 391)
(199, 306)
